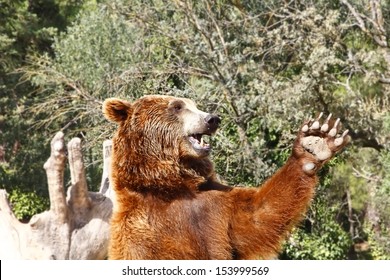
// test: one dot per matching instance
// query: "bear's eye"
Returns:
(177, 106)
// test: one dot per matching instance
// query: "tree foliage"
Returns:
(26, 28)
(263, 66)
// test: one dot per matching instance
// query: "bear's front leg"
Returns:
(262, 218)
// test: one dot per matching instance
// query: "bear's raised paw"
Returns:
(321, 141)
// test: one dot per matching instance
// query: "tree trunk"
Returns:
(76, 226)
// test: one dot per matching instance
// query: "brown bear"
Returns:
(168, 201)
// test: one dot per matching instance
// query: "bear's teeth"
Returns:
(198, 142)
(204, 143)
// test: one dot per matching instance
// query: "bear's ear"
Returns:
(116, 110)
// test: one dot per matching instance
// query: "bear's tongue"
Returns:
(198, 142)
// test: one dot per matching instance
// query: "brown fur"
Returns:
(169, 204)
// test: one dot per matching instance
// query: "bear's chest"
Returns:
(195, 228)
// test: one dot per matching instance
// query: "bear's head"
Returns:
(164, 123)
(160, 135)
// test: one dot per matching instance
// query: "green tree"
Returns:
(26, 28)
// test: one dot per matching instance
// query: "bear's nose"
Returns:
(213, 121)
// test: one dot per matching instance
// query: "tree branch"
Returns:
(54, 167)
(78, 192)
(77, 230)
(107, 151)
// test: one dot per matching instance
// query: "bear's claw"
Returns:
(325, 126)
(316, 123)
(321, 142)
(338, 141)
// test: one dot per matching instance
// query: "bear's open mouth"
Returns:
(198, 142)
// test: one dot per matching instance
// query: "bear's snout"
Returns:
(212, 121)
